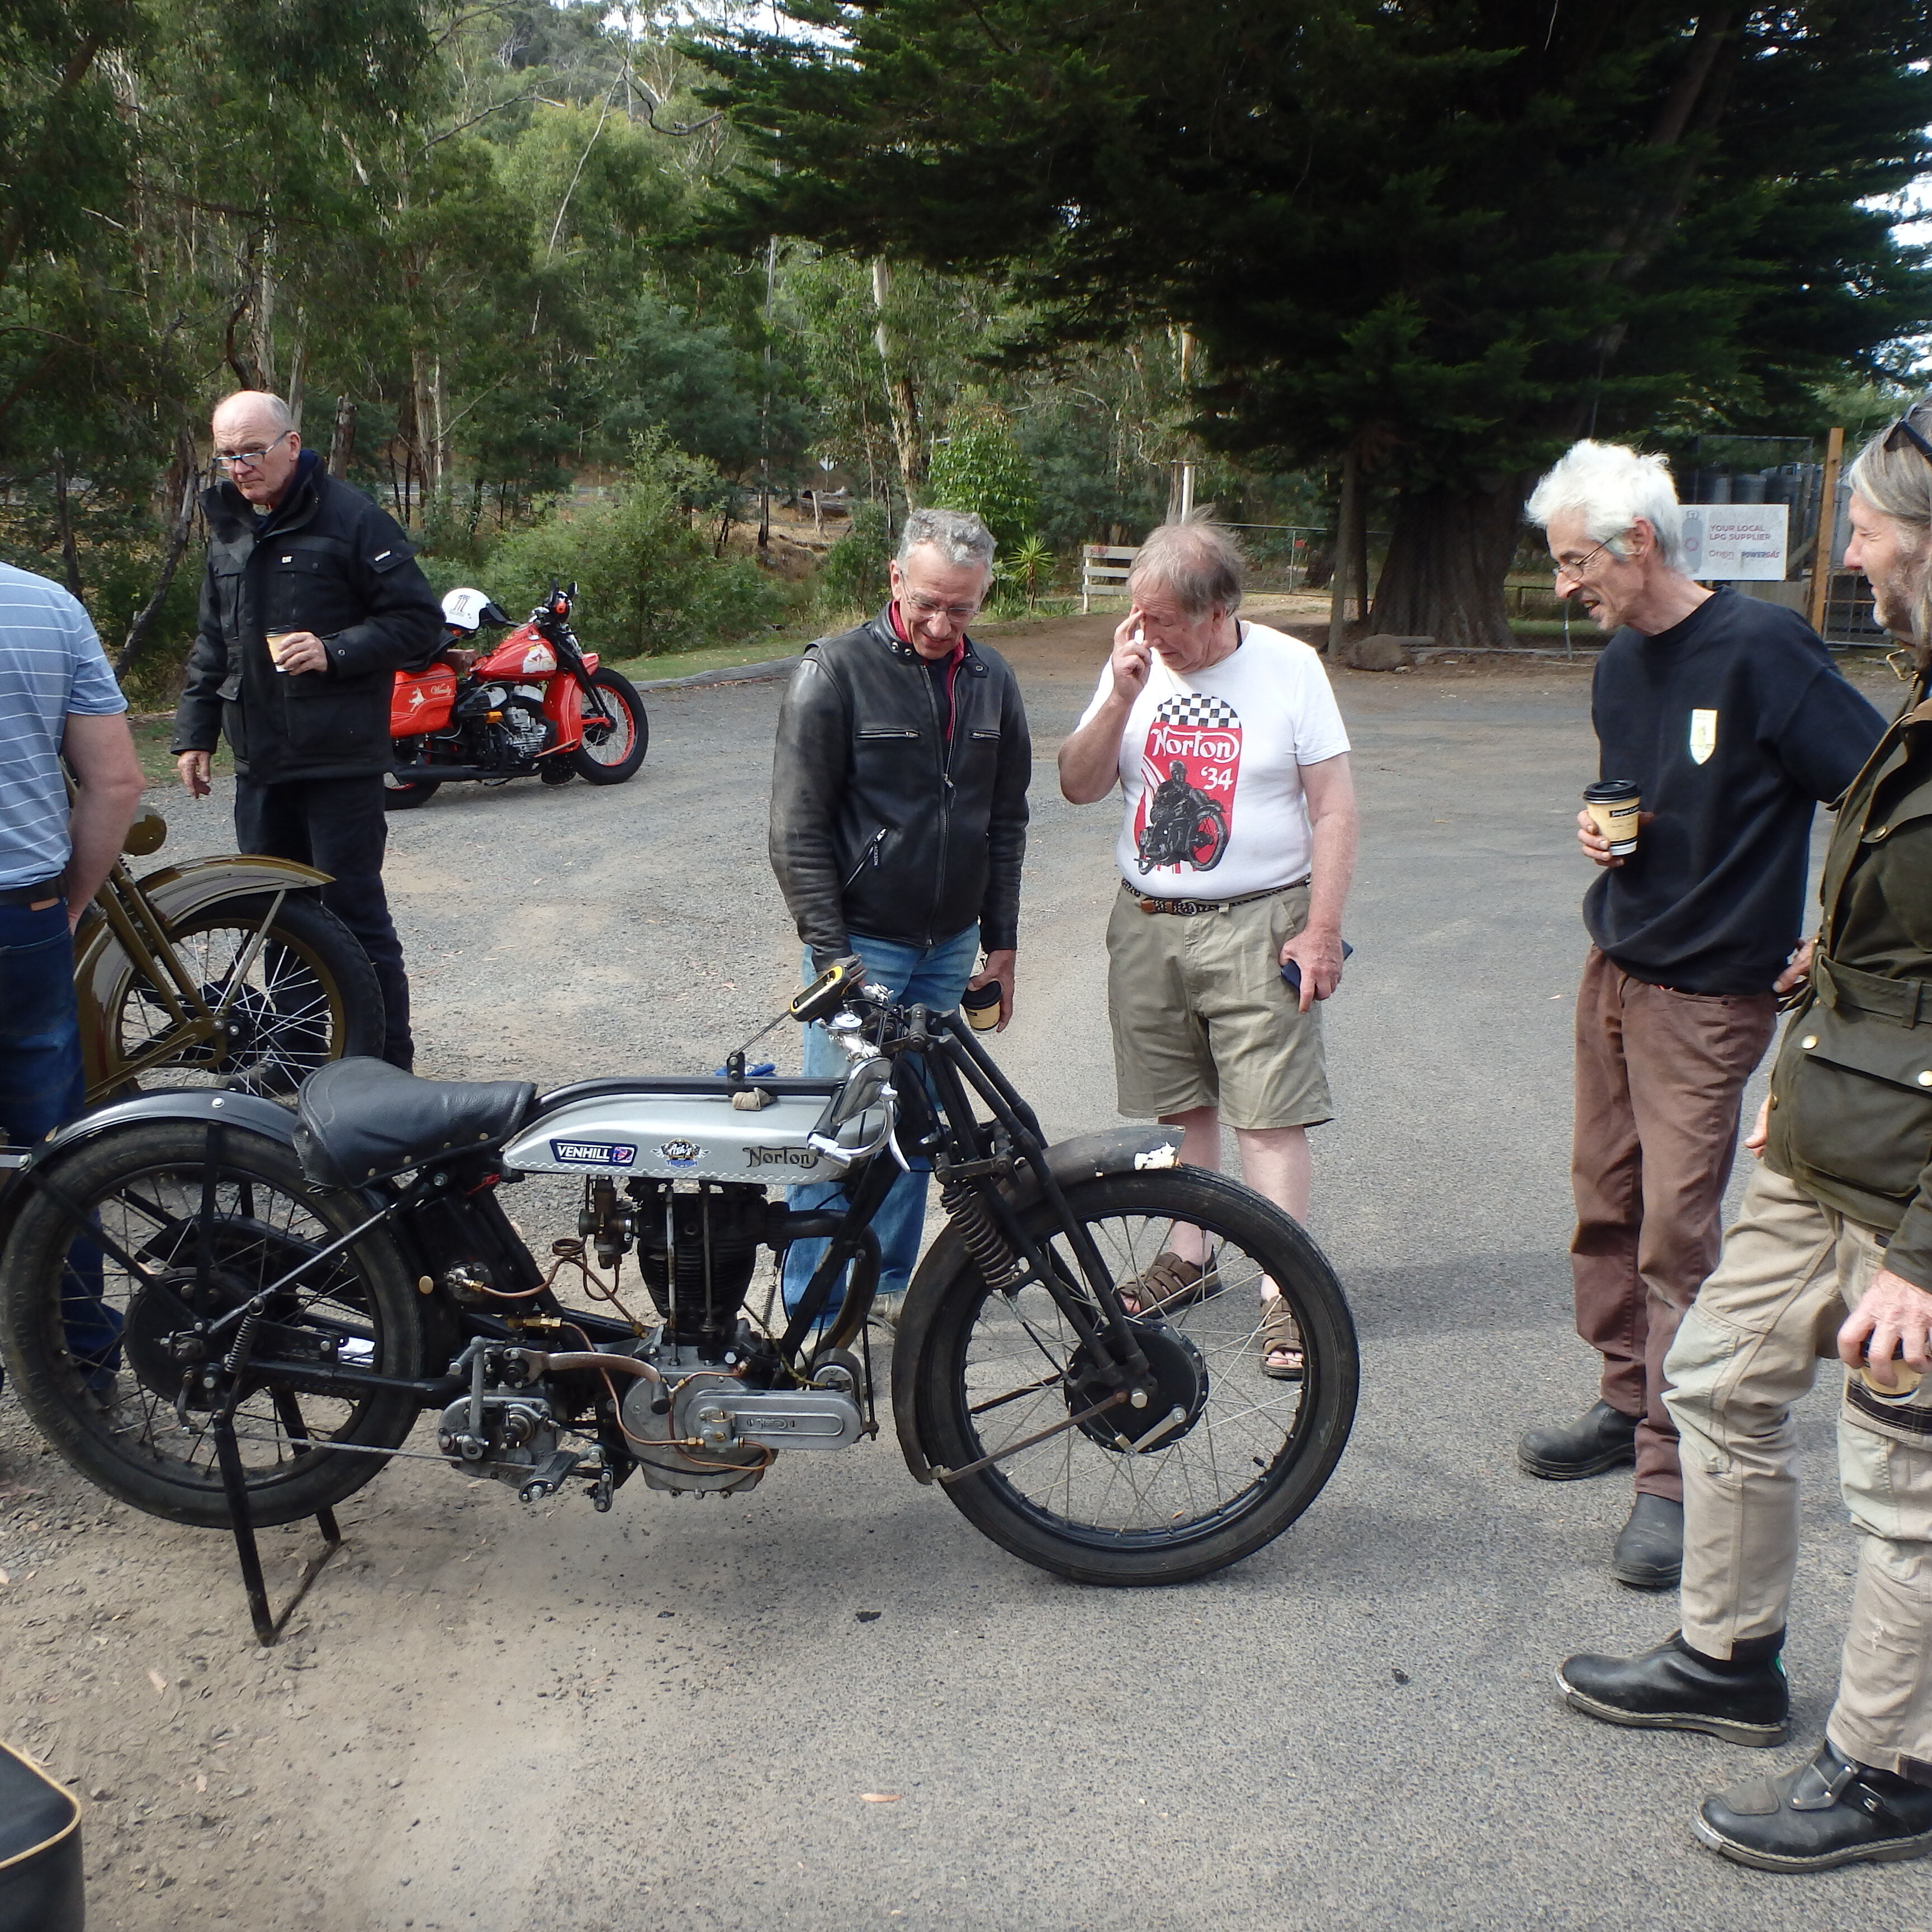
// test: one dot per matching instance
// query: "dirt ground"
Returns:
(226, 1784)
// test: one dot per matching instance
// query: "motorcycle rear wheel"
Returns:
(310, 995)
(1254, 1453)
(617, 750)
(109, 1410)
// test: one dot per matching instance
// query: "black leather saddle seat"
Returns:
(361, 1119)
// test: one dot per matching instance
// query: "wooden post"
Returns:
(1346, 515)
(1827, 524)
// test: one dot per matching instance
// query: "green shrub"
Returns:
(980, 467)
(853, 575)
(646, 582)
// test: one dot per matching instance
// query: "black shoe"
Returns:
(1826, 1813)
(1649, 1551)
(1606, 1439)
(1673, 1688)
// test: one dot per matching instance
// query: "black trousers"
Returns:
(338, 826)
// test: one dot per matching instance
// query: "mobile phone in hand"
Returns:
(1292, 972)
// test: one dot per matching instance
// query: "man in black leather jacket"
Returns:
(898, 812)
(295, 555)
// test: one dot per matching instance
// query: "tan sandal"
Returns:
(1168, 1282)
(1278, 1335)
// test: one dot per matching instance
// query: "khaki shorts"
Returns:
(1202, 1017)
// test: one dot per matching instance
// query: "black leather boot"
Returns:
(1649, 1551)
(1560, 1452)
(1827, 1812)
(1745, 1701)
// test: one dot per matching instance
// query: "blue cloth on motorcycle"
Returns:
(933, 976)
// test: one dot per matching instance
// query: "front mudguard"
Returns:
(102, 967)
(249, 1111)
(1086, 1157)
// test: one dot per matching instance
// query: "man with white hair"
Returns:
(899, 818)
(296, 556)
(1232, 761)
(1729, 716)
(1831, 1253)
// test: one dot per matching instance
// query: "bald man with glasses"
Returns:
(298, 556)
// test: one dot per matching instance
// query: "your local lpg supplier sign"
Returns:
(1735, 540)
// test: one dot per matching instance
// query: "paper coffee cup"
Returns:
(1616, 804)
(276, 639)
(1905, 1382)
(981, 1006)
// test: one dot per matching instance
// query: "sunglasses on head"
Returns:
(1902, 431)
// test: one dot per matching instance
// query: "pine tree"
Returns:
(1446, 235)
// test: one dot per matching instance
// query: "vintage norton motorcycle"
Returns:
(225, 1313)
(537, 703)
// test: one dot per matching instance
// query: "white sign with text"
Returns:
(1735, 540)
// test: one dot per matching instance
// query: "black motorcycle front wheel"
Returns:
(91, 1349)
(1222, 1459)
(613, 748)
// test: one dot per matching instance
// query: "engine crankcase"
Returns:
(654, 1424)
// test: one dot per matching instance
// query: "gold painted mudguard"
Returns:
(176, 892)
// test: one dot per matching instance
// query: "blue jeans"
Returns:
(43, 1087)
(933, 976)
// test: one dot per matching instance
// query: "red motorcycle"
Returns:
(537, 705)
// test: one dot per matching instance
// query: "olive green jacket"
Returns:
(1851, 1092)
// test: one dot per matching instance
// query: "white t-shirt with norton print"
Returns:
(1211, 764)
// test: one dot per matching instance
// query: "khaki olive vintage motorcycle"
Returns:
(226, 972)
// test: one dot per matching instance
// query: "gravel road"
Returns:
(496, 1718)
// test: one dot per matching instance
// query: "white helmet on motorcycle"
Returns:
(469, 611)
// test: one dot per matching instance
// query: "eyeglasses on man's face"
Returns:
(1902, 431)
(1574, 568)
(925, 607)
(250, 459)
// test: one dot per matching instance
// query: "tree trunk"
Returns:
(902, 397)
(342, 439)
(1347, 514)
(187, 468)
(63, 522)
(1446, 559)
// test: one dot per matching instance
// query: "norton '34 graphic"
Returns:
(1189, 766)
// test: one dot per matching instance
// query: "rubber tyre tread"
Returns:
(407, 797)
(39, 1239)
(1285, 1252)
(585, 766)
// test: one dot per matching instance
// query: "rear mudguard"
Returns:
(1123, 1150)
(176, 892)
(249, 1111)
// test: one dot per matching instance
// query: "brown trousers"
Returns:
(1659, 1077)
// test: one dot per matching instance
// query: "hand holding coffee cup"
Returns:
(1612, 818)
(297, 651)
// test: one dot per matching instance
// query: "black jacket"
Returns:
(330, 561)
(879, 824)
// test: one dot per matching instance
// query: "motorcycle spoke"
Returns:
(1247, 1423)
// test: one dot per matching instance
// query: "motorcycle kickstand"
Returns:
(267, 1627)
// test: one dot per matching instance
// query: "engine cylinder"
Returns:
(697, 1251)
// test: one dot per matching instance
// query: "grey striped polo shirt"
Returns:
(51, 668)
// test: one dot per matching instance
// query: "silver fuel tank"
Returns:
(679, 1137)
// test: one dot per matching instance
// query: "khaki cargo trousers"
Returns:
(1747, 1351)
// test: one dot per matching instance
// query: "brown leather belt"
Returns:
(1187, 908)
(47, 890)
